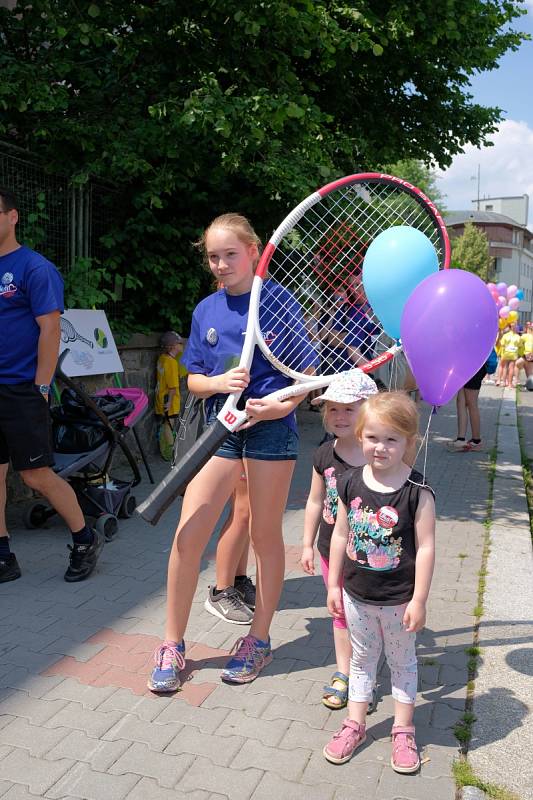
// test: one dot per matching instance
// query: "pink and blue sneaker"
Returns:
(250, 656)
(169, 661)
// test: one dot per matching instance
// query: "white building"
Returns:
(503, 220)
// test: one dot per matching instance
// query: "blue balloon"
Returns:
(520, 294)
(395, 263)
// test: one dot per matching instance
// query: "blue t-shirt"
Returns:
(217, 336)
(30, 286)
(359, 330)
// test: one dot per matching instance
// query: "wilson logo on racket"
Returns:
(230, 418)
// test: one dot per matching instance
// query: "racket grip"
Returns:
(177, 479)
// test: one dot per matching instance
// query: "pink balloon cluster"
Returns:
(505, 297)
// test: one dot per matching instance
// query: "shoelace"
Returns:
(167, 656)
(77, 552)
(233, 597)
(244, 648)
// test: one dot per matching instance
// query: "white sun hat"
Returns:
(348, 387)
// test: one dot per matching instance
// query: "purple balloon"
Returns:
(502, 288)
(448, 328)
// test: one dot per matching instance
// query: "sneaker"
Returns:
(228, 605)
(472, 447)
(169, 661)
(345, 742)
(246, 590)
(9, 569)
(405, 758)
(251, 655)
(456, 446)
(83, 558)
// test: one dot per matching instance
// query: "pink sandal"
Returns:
(345, 742)
(405, 758)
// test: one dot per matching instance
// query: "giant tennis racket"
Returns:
(308, 312)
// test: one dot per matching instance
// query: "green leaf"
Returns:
(295, 111)
(377, 50)
(93, 10)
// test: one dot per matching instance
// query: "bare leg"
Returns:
(343, 649)
(471, 398)
(357, 711)
(403, 713)
(462, 416)
(268, 487)
(203, 502)
(59, 494)
(234, 537)
(511, 373)
(3, 497)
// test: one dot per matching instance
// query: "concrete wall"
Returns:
(139, 357)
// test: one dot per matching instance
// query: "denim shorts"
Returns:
(271, 440)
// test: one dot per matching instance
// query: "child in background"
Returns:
(169, 372)
(509, 350)
(342, 401)
(525, 361)
(384, 537)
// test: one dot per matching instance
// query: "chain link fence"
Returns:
(64, 222)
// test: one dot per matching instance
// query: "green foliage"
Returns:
(421, 176)
(192, 109)
(87, 285)
(465, 776)
(471, 252)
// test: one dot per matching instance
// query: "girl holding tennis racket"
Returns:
(268, 452)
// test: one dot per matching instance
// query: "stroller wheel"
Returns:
(36, 515)
(127, 508)
(108, 525)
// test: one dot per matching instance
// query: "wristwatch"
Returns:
(43, 388)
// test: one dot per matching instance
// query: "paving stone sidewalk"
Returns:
(76, 720)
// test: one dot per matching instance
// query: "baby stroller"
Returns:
(87, 431)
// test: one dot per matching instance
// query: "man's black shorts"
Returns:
(25, 427)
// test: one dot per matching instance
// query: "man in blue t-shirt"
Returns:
(31, 302)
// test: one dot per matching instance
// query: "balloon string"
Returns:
(424, 444)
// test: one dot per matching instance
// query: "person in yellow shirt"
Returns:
(525, 361)
(509, 352)
(169, 372)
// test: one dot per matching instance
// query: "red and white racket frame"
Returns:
(230, 416)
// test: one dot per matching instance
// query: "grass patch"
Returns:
(464, 776)
(429, 662)
(462, 555)
(463, 728)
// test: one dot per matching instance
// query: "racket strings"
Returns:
(314, 315)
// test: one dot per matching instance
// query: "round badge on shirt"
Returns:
(387, 517)
(211, 336)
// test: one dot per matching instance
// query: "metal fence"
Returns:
(63, 221)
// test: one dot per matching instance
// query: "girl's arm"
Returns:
(337, 549)
(415, 614)
(235, 380)
(313, 513)
(263, 408)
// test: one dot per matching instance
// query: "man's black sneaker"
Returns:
(9, 569)
(83, 558)
(227, 605)
(246, 590)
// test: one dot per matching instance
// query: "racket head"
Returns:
(312, 313)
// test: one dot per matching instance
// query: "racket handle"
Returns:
(177, 479)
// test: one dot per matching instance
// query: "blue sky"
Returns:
(507, 167)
